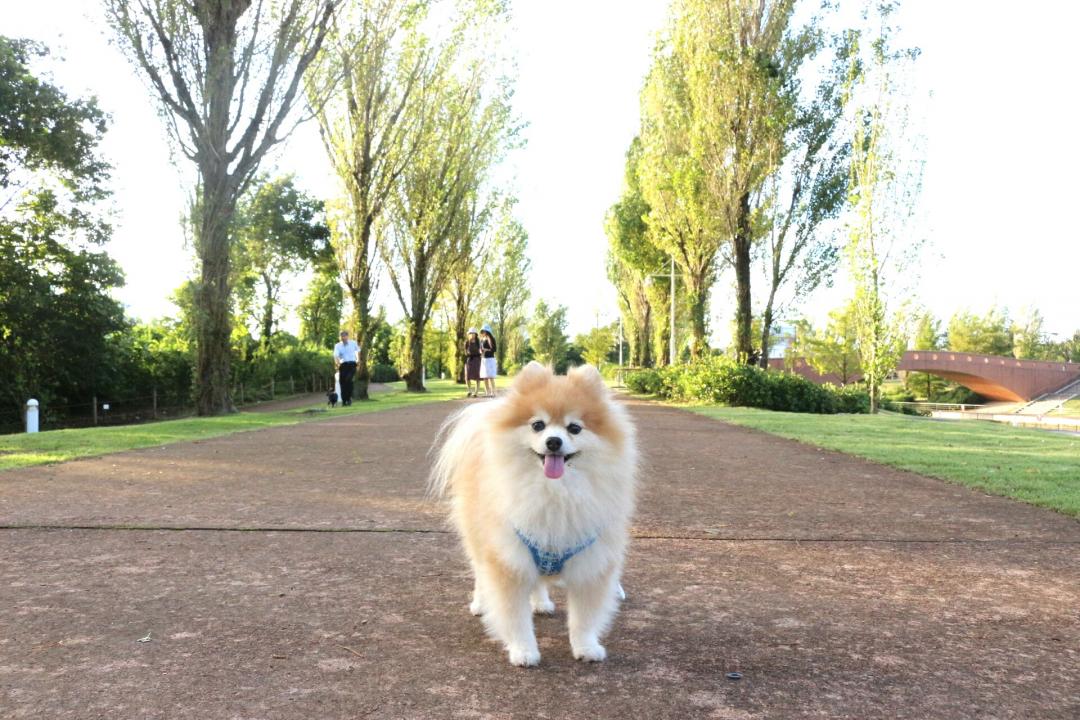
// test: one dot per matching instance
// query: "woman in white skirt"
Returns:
(489, 367)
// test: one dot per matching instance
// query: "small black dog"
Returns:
(331, 398)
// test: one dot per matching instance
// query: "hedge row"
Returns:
(719, 379)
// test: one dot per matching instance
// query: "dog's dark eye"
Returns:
(538, 425)
(573, 428)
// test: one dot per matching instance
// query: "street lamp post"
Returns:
(671, 333)
(671, 340)
(620, 342)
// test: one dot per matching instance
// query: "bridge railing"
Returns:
(927, 408)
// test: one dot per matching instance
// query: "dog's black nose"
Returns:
(554, 443)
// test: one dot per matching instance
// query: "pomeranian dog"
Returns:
(541, 483)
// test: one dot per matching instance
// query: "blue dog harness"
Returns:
(550, 562)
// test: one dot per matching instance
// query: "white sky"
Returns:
(996, 84)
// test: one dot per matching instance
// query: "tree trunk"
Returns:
(215, 212)
(500, 342)
(268, 312)
(697, 302)
(743, 312)
(662, 342)
(644, 349)
(414, 337)
(766, 335)
(698, 299)
(361, 298)
(213, 319)
(414, 344)
(461, 312)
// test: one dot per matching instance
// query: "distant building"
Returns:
(783, 337)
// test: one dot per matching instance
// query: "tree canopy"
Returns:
(55, 282)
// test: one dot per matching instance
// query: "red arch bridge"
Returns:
(1003, 379)
(996, 378)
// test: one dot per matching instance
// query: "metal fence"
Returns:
(103, 411)
(928, 408)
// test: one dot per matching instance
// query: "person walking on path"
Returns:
(345, 354)
(472, 363)
(489, 367)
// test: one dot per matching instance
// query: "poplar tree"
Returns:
(801, 251)
(427, 234)
(740, 61)
(465, 283)
(505, 283)
(227, 74)
(372, 70)
(884, 181)
(635, 265)
(682, 218)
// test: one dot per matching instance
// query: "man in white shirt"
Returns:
(345, 355)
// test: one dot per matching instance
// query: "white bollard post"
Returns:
(337, 385)
(31, 415)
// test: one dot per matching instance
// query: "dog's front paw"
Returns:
(590, 652)
(476, 608)
(524, 656)
(543, 607)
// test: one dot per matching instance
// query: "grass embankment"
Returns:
(1071, 408)
(1035, 466)
(60, 445)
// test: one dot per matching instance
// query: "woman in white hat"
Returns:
(473, 361)
(489, 367)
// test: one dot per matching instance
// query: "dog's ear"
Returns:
(531, 376)
(587, 376)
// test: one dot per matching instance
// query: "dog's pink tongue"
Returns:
(554, 466)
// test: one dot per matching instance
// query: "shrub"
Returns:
(646, 382)
(850, 399)
(382, 373)
(719, 379)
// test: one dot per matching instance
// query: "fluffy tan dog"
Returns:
(541, 483)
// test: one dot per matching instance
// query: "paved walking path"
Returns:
(298, 572)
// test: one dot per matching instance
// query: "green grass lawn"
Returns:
(1070, 408)
(1035, 466)
(59, 445)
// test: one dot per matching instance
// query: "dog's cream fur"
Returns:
(488, 465)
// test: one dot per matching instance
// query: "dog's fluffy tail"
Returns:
(456, 446)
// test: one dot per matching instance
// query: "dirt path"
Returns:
(298, 572)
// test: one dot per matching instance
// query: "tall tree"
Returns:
(809, 189)
(426, 237)
(928, 336)
(320, 309)
(884, 181)
(682, 220)
(833, 350)
(597, 344)
(1029, 342)
(741, 64)
(989, 334)
(1069, 348)
(464, 286)
(280, 230)
(547, 334)
(505, 281)
(55, 282)
(373, 69)
(227, 74)
(635, 263)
